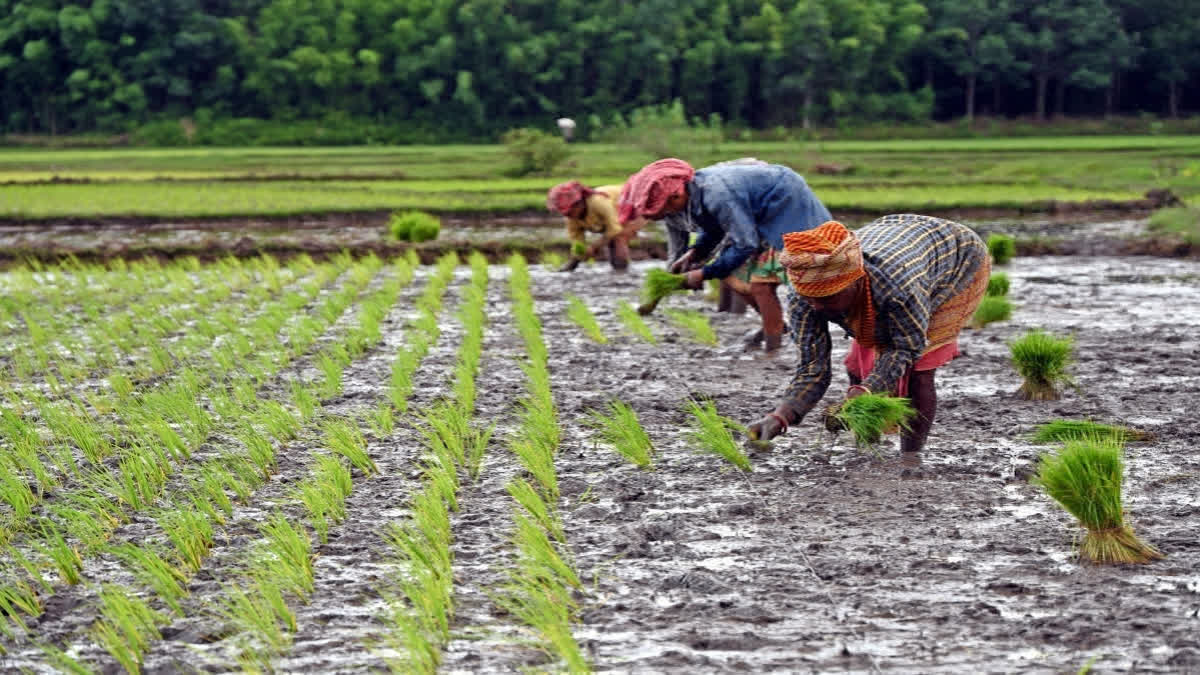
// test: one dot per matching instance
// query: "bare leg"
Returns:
(924, 398)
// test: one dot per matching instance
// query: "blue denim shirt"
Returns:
(755, 205)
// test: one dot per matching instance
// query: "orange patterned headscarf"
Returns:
(823, 260)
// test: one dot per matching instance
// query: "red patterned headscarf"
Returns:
(648, 190)
(565, 195)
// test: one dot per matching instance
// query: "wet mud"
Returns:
(823, 558)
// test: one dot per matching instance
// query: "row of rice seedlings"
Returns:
(1085, 477)
(540, 584)
(694, 324)
(712, 433)
(583, 317)
(189, 527)
(1042, 359)
(425, 332)
(281, 567)
(421, 606)
(634, 323)
(621, 430)
(76, 426)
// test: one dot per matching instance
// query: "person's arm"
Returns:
(575, 232)
(735, 220)
(811, 378)
(908, 321)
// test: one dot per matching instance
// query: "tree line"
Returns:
(479, 66)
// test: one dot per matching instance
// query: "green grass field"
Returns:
(896, 175)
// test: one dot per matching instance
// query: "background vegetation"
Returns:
(334, 72)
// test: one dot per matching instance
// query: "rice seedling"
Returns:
(659, 284)
(279, 421)
(634, 323)
(331, 371)
(869, 416)
(1002, 247)
(18, 600)
(694, 324)
(15, 492)
(583, 317)
(539, 462)
(259, 611)
(1085, 478)
(620, 429)
(997, 285)
(62, 662)
(304, 400)
(382, 419)
(1042, 360)
(1075, 430)
(190, 533)
(551, 259)
(711, 431)
(347, 441)
(991, 309)
(65, 557)
(523, 492)
(152, 570)
(126, 627)
(259, 450)
(475, 446)
(324, 494)
(286, 557)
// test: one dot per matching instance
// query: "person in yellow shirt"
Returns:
(593, 210)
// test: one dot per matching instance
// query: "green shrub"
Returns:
(414, 226)
(1002, 247)
(536, 152)
(1183, 222)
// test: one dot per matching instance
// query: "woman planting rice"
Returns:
(593, 210)
(902, 286)
(751, 202)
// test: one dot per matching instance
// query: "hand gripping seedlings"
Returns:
(1085, 478)
(869, 416)
(1042, 360)
(660, 284)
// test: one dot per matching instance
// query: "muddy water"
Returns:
(823, 558)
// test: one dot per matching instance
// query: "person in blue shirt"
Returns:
(753, 204)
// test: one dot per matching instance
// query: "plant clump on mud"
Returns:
(634, 323)
(414, 226)
(1074, 430)
(990, 310)
(1085, 478)
(695, 324)
(1002, 247)
(1042, 360)
(869, 416)
(997, 285)
(620, 429)
(711, 431)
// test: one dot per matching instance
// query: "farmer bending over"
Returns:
(593, 210)
(753, 204)
(902, 286)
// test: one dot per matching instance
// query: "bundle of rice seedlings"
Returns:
(1042, 360)
(1074, 430)
(1085, 478)
(997, 285)
(578, 249)
(711, 431)
(992, 308)
(620, 429)
(660, 284)
(695, 324)
(868, 416)
(1002, 247)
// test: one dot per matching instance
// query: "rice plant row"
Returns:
(420, 600)
(579, 313)
(322, 495)
(91, 514)
(539, 590)
(169, 416)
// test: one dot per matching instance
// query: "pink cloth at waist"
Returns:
(861, 360)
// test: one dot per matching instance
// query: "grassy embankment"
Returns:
(854, 178)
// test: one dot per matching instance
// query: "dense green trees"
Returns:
(480, 66)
